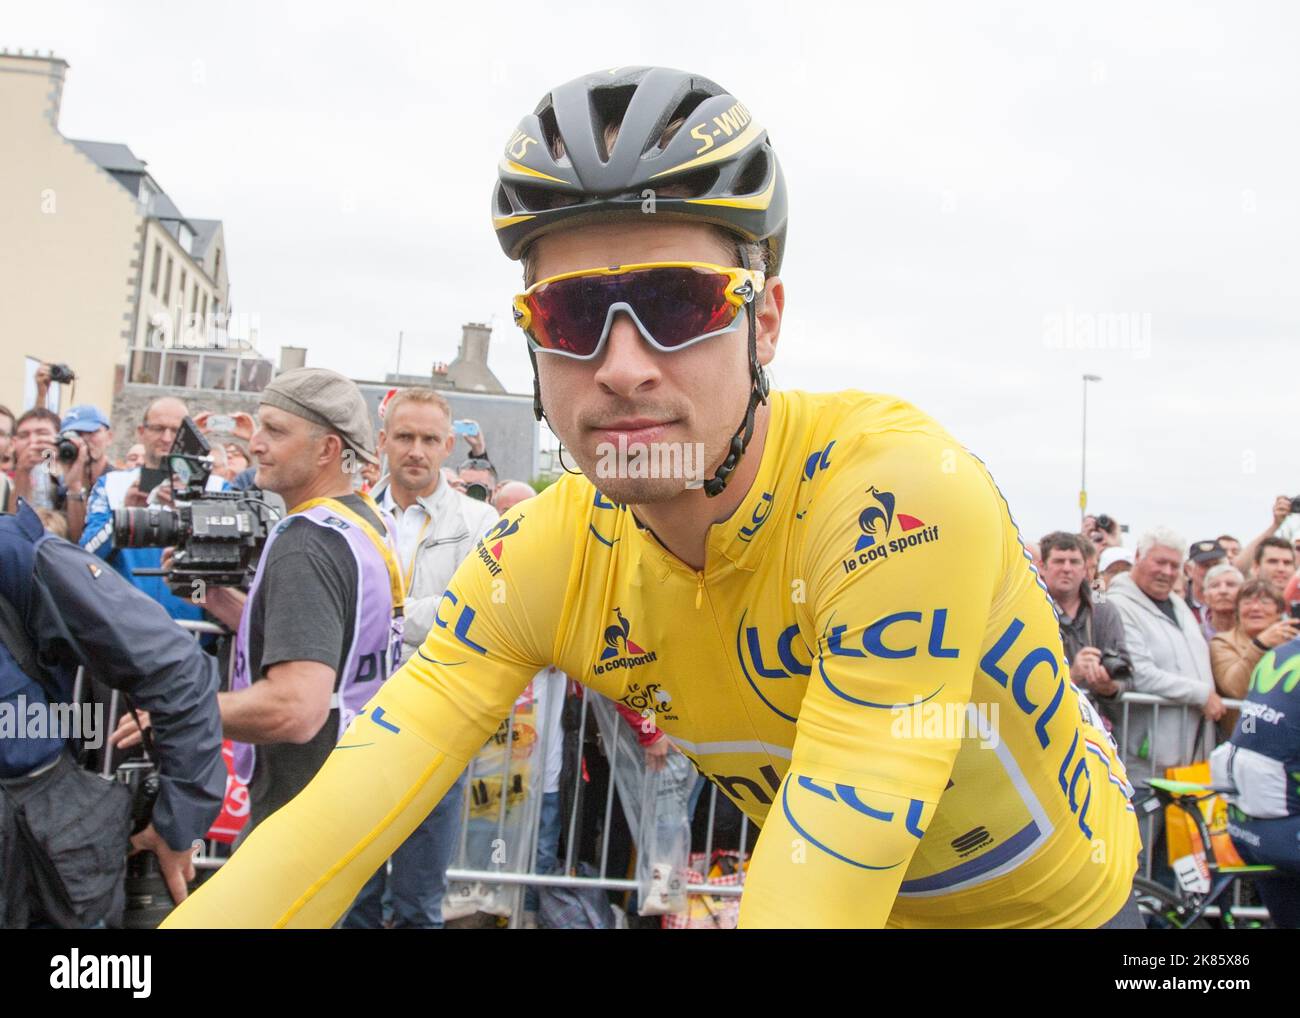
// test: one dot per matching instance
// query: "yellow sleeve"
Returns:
(305, 864)
(904, 546)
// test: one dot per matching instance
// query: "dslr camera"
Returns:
(218, 536)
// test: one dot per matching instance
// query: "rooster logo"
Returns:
(502, 529)
(618, 633)
(876, 521)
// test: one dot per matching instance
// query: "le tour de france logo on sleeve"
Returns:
(886, 532)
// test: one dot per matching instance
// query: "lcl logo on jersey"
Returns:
(762, 658)
(490, 545)
(830, 817)
(878, 522)
(757, 519)
(619, 650)
(601, 502)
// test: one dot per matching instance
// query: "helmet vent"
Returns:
(551, 134)
(608, 108)
(752, 178)
(689, 104)
(690, 185)
(539, 199)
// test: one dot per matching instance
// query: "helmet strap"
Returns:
(758, 390)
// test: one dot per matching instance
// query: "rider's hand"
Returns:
(177, 867)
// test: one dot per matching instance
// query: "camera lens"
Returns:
(67, 449)
(477, 491)
(151, 527)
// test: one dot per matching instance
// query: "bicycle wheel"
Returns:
(1163, 909)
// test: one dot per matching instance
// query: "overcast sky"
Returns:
(974, 188)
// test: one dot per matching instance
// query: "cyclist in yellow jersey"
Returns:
(827, 608)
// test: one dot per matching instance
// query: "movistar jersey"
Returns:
(868, 666)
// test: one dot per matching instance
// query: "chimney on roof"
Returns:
(474, 340)
(470, 370)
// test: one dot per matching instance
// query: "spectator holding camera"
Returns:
(64, 832)
(1285, 527)
(1261, 626)
(36, 433)
(1091, 631)
(83, 452)
(437, 528)
(148, 484)
(477, 478)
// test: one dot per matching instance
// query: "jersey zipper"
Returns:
(699, 589)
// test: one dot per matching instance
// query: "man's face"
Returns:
(1197, 571)
(1063, 572)
(1277, 566)
(98, 440)
(33, 442)
(1231, 547)
(1156, 572)
(159, 429)
(135, 455)
(417, 440)
(634, 393)
(288, 455)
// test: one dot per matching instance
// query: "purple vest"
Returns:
(376, 648)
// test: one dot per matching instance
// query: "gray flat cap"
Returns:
(326, 398)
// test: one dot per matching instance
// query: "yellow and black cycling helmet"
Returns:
(680, 136)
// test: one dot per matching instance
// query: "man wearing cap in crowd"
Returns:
(92, 434)
(1202, 556)
(122, 489)
(231, 433)
(320, 629)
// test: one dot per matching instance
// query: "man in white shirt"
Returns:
(437, 527)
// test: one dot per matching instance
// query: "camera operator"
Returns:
(1092, 631)
(82, 452)
(321, 627)
(63, 831)
(147, 484)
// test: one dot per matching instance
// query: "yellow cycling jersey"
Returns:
(868, 666)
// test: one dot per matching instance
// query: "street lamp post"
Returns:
(1083, 480)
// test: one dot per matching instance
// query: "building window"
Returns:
(216, 269)
(219, 372)
(254, 375)
(181, 292)
(145, 366)
(167, 282)
(182, 370)
(194, 299)
(157, 269)
(205, 317)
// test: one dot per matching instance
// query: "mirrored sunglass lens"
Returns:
(675, 305)
(678, 305)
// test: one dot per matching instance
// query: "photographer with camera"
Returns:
(477, 478)
(35, 435)
(320, 629)
(148, 484)
(64, 832)
(1283, 529)
(1091, 631)
(82, 453)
